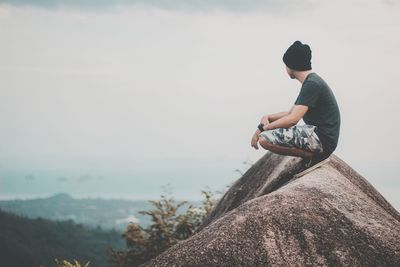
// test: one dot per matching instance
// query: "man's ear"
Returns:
(297, 112)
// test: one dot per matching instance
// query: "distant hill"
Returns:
(91, 212)
(35, 242)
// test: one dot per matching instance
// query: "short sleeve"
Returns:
(309, 94)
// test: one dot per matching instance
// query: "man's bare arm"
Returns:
(277, 116)
(296, 114)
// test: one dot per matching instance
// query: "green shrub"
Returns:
(168, 228)
(65, 263)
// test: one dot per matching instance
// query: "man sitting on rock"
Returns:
(316, 104)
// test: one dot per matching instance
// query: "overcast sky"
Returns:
(104, 86)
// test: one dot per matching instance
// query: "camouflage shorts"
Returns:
(301, 136)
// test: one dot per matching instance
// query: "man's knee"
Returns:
(266, 137)
(265, 143)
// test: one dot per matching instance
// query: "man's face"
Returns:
(290, 72)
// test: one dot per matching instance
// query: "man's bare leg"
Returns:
(284, 150)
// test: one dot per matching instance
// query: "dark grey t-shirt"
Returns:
(322, 112)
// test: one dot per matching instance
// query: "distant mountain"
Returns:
(91, 212)
(61, 197)
(36, 242)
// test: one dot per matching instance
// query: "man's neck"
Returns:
(302, 75)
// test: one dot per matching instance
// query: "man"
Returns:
(316, 104)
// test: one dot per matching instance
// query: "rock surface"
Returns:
(331, 216)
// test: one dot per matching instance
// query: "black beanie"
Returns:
(298, 56)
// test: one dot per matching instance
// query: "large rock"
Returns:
(331, 216)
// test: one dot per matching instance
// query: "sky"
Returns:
(117, 98)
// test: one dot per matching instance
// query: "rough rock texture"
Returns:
(331, 216)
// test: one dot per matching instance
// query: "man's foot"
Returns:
(311, 161)
(310, 164)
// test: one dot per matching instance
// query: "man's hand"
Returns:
(265, 119)
(254, 139)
